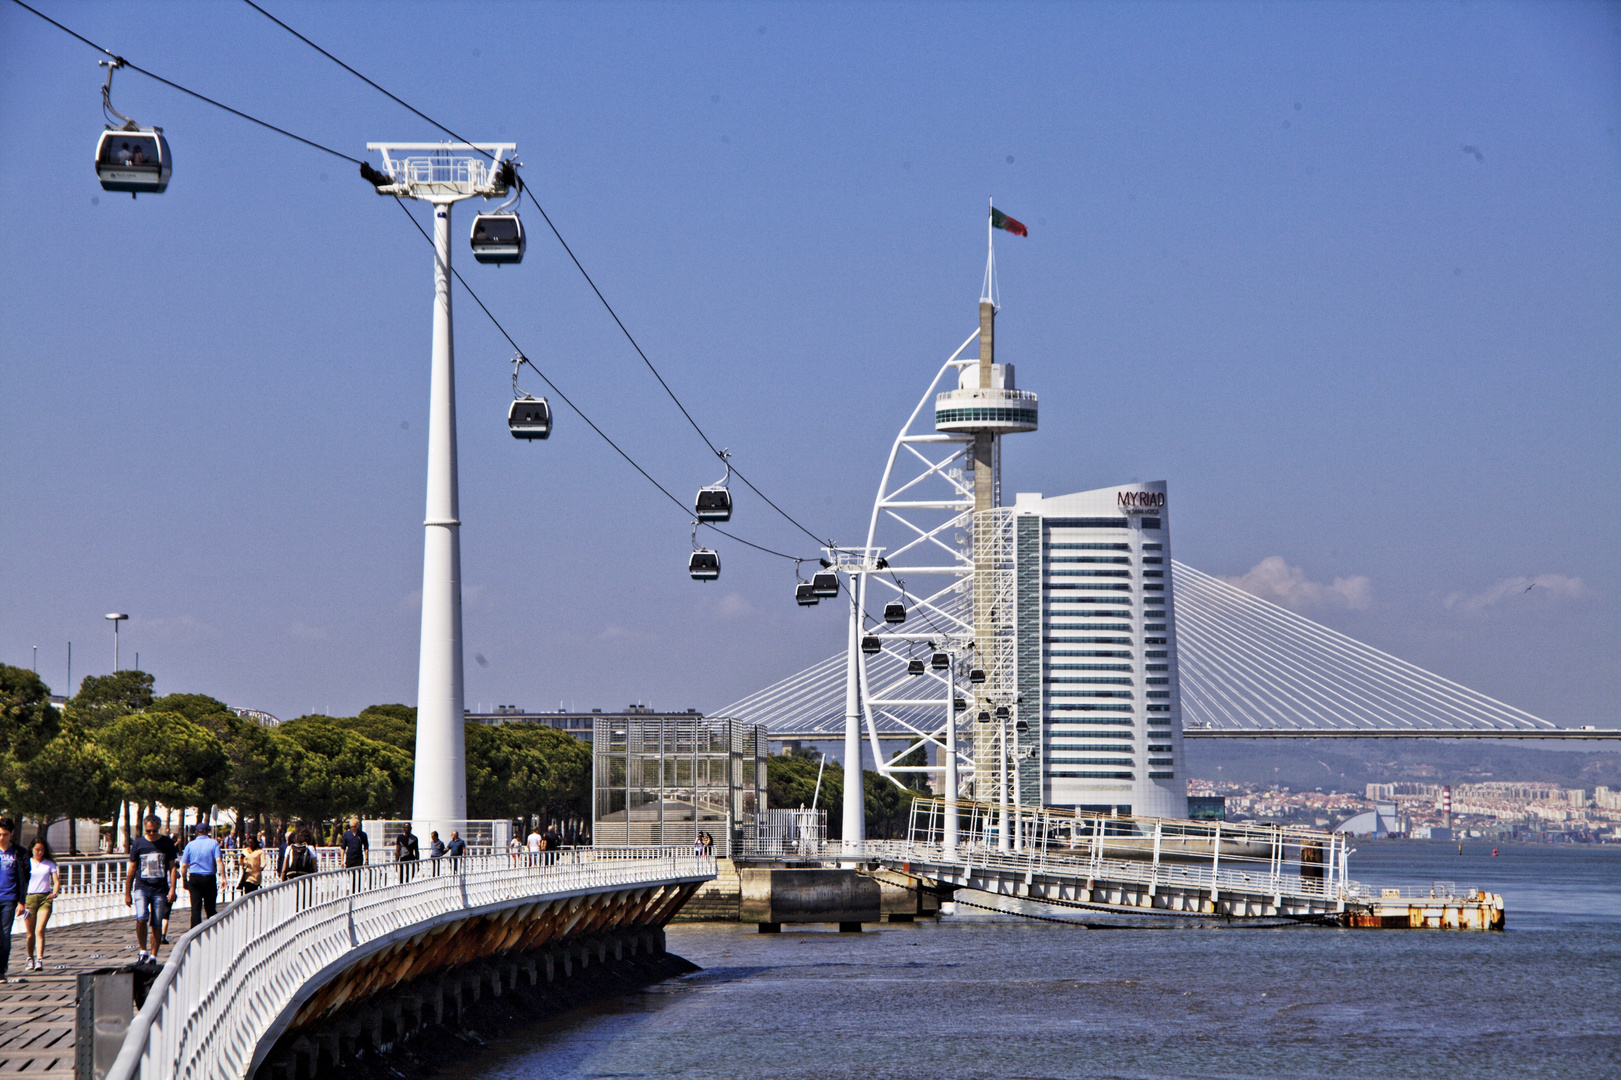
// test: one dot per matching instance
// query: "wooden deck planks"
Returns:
(36, 1009)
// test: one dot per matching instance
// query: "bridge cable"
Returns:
(577, 265)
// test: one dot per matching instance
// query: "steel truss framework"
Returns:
(1246, 666)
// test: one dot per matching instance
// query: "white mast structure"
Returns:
(946, 510)
(441, 174)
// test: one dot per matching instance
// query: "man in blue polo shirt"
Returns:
(200, 864)
(13, 888)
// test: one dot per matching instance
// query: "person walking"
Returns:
(436, 849)
(299, 860)
(13, 888)
(407, 852)
(44, 882)
(536, 844)
(355, 844)
(457, 846)
(148, 887)
(253, 867)
(200, 865)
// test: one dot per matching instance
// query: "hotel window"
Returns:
(1151, 523)
(1153, 653)
(1159, 749)
(1089, 547)
(1087, 641)
(1152, 560)
(1092, 667)
(1089, 652)
(1155, 626)
(1153, 573)
(1158, 667)
(1090, 573)
(1153, 587)
(1090, 558)
(1159, 719)
(1089, 679)
(1161, 776)
(1162, 681)
(1092, 775)
(1159, 693)
(1153, 547)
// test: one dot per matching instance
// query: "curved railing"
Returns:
(230, 980)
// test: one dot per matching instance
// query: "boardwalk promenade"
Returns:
(278, 967)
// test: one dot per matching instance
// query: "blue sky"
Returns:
(1264, 265)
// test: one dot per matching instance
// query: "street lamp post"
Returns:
(115, 617)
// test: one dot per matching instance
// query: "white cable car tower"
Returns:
(441, 174)
(939, 495)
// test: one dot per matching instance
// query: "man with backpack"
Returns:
(407, 852)
(300, 859)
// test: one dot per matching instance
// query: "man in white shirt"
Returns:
(535, 845)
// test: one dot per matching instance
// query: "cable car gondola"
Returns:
(1021, 725)
(825, 583)
(940, 661)
(914, 667)
(497, 237)
(871, 646)
(976, 675)
(1001, 712)
(804, 596)
(714, 503)
(895, 612)
(984, 717)
(130, 157)
(704, 565)
(527, 417)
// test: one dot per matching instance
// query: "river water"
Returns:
(1002, 996)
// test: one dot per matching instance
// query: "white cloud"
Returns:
(733, 606)
(1275, 580)
(1541, 588)
(176, 628)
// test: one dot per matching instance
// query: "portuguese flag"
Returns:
(1000, 220)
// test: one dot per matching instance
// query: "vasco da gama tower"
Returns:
(1092, 628)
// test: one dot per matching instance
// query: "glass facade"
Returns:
(661, 780)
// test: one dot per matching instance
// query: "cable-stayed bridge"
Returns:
(1248, 668)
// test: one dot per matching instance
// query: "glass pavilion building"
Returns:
(1096, 648)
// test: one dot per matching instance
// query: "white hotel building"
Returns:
(1096, 641)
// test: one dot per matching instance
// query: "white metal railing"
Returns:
(92, 890)
(228, 980)
(975, 393)
(1220, 883)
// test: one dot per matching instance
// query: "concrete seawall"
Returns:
(772, 894)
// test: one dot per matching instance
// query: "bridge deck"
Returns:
(36, 1008)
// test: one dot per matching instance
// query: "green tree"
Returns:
(263, 764)
(28, 720)
(211, 713)
(393, 724)
(70, 777)
(104, 698)
(539, 769)
(164, 757)
(344, 772)
(791, 783)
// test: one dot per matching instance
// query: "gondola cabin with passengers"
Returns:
(130, 157)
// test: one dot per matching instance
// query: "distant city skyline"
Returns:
(1362, 258)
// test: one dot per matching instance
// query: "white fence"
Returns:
(229, 981)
